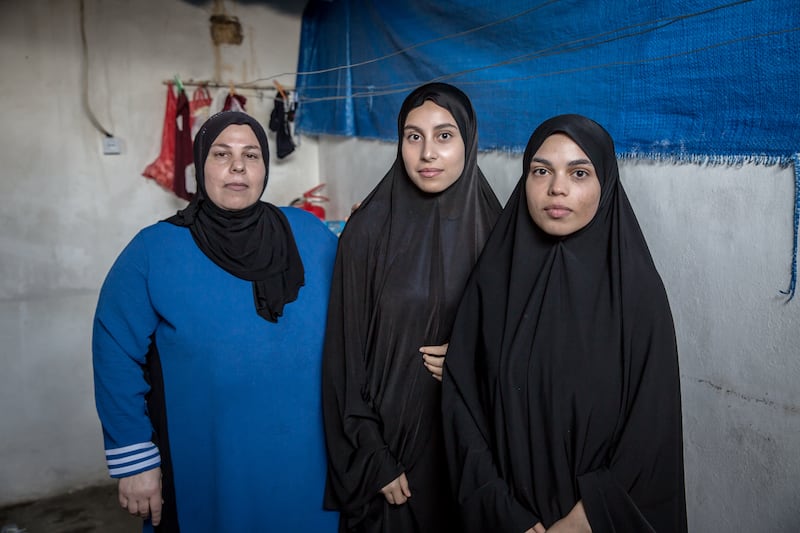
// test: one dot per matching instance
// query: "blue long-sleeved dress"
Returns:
(241, 395)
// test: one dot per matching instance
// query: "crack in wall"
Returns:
(794, 409)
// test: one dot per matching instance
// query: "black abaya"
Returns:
(561, 382)
(402, 263)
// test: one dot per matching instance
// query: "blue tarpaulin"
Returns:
(692, 80)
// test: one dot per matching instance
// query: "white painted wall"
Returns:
(722, 240)
(66, 210)
(721, 237)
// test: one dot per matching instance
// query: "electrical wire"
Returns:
(85, 77)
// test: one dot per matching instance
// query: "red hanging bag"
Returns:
(199, 107)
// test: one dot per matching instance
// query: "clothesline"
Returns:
(237, 86)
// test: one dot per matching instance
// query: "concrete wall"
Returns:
(722, 239)
(67, 210)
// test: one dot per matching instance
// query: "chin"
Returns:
(432, 189)
(232, 207)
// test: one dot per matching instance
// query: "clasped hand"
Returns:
(433, 359)
(397, 492)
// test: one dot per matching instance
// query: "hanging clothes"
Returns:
(183, 148)
(282, 114)
(235, 102)
(163, 168)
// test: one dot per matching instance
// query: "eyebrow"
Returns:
(246, 147)
(438, 127)
(570, 164)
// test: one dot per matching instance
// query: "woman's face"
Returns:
(562, 187)
(235, 169)
(432, 148)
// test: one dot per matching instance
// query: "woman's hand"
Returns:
(574, 522)
(397, 492)
(433, 359)
(538, 528)
(140, 494)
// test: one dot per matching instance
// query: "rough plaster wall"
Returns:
(721, 238)
(67, 210)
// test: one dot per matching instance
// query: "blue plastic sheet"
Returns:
(692, 80)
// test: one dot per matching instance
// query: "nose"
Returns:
(237, 164)
(428, 151)
(559, 184)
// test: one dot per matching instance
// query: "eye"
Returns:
(538, 171)
(220, 154)
(581, 173)
(413, 137)
(252, 155)
(446, 135)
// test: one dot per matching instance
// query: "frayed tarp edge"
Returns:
(793, 269)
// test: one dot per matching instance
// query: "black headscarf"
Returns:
(561, 382)
(255, 243)
(402, 263)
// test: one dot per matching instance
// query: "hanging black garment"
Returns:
(402, 262)
(183, 146)
(279, 123)
(255, 243)
(561, 382)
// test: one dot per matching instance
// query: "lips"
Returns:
(429, 172)
(236, 186)
(557, 211)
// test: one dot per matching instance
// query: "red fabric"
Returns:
(183, 147)
(163, 168)
(234, 102)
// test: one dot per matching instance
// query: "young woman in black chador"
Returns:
(402, 263)
(561, 393)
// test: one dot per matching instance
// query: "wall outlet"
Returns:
(111, 146)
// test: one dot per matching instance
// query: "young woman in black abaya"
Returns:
(561, 393)
(403, 259)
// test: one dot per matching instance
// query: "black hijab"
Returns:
(255, 243)
(561, 382)
(402, 263)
